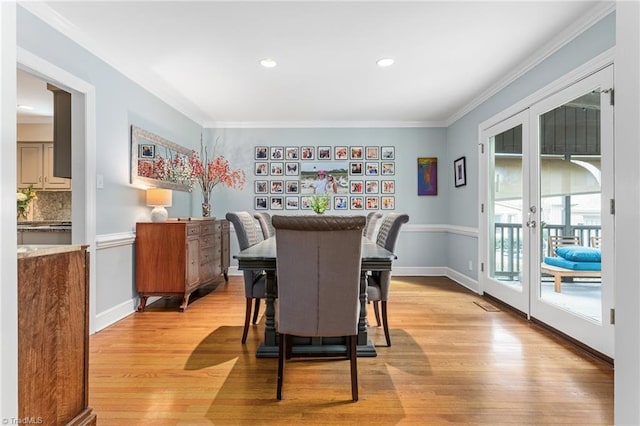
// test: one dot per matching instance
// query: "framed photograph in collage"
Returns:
(292, 203)
(261, 203)
(277, 203)
(357, 203)
(388, 153)
(292, 169)
(262, 169)
(340, 203)
(277, 187)
(277, 168)
(388, 203)
(372, 153)
(291, 187)
(355, 168)
(305, 202)
(277, 153)
(388, 186)
(371, 187)
(356, 153)
(307, 153)
(341, 153)
(357, 186)
(371, 203)
(291, 153)
(260, 187)
(262, 153)
(388, 168)
(324, 153)
(372, 168)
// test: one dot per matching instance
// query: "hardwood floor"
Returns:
(451, 362)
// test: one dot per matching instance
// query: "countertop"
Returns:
(49, 226)
(25, 251)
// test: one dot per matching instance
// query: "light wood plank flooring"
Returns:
(451, 362)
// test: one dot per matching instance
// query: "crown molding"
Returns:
(598, 12)
(152, 84)
(317, 124)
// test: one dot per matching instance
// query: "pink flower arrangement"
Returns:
(209, 173)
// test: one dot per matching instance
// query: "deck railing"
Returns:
(508, 244)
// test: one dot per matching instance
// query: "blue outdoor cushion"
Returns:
(575, 266)
(579, 253)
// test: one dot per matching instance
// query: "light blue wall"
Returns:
(119, 103)
(462, 136)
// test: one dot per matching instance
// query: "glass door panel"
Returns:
(574, 143)
(505, 240)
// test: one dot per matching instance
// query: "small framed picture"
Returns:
(277, 169)
(371, 203)
(388, 203)
(146, 150)
(292, 203)
(355, 153)
(261, 203)
(371, 187)
(305, 202)
(277, 153)
(308, 153)
(388, 186)
(388, 153)
(357, 186)
(357, 203)
(262, 169)
(355, 168)
(291, 169)
(324, 153)
(388, 168)
(291, 187)
(460, 172)
(291, 153)
(372, 153)
(277, 187)
(340, 153)
(277, 203)
(340, 203)
(260, 187)
(372, 169)
(262, 153)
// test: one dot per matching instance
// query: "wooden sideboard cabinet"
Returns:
(176, 257)
(53, 335)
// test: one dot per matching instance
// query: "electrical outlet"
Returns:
(471, 265)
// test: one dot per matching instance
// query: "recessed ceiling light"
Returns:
(268, 63)
(385, 62)
(26, 107)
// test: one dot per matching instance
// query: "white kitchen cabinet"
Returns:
(35, 167)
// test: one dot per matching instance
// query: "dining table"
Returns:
(263, 257)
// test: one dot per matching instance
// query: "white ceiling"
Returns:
(203, 57)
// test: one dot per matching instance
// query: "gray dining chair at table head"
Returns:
(264, 219)
(318, 260)
(370, 226)
(379, 282)
(254, 281)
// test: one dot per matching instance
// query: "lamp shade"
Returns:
(159, 197)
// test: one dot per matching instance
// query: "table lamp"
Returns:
(159, 199)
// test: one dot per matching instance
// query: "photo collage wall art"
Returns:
(355, 177)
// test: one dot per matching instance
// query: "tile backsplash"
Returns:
(52, 205)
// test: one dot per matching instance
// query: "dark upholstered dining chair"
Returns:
(264, 219)
(254, 281)
(318, 260)
(370, 226)
(380, 281)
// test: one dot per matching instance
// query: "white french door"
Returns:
(548, 172)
